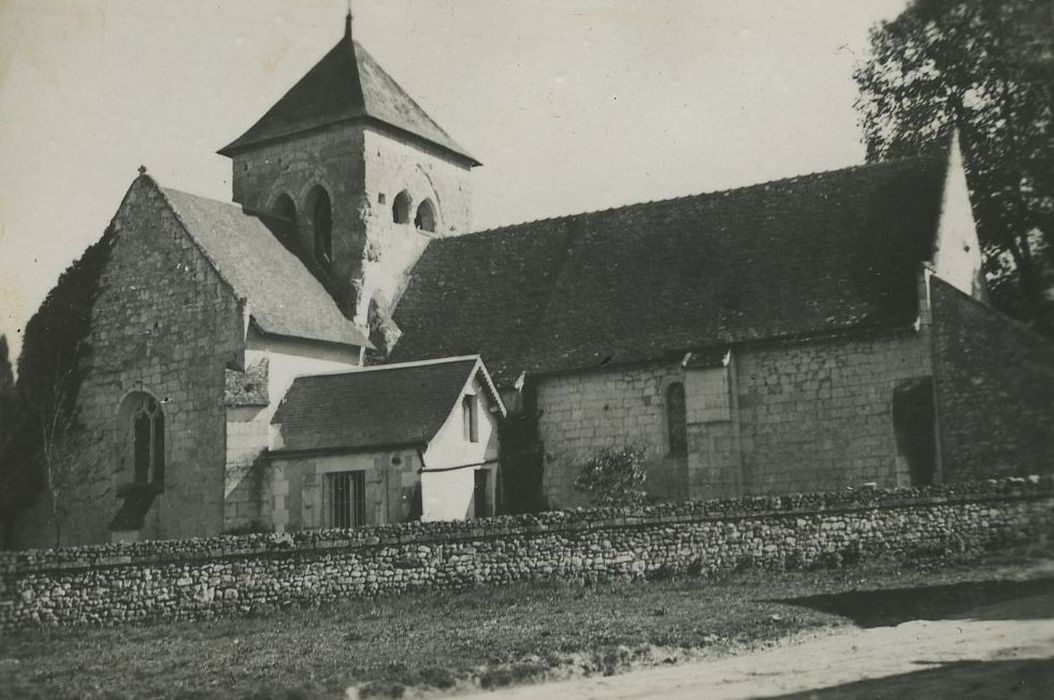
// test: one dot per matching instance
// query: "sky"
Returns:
(571, 105)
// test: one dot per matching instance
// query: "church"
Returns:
(339, 347)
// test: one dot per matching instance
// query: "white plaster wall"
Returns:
(290, 358)
(448, 495)
(248, 428)
(957, 251)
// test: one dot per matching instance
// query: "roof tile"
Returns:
(808, 254)
(279, 289)
(347, 84)
(378, 407)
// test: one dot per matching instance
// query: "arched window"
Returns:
(143, 429)
(426, 217)
(676, 421)
(284, 209)
(321, 224)
(401, 208)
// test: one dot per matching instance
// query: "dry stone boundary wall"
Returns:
(254, 574)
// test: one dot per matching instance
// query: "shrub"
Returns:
(615, 477)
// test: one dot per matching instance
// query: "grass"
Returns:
(438, 640)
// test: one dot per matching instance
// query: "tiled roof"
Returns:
(804, 255)
(375, 407)
(347, 84)
(284, 298)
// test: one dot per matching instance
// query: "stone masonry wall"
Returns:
(778, 419)
(206, 578)
(995, 390)
(581, 414)
(394, 164)
(166, 324)
(818, 416)
(362, 169)
(330, 157)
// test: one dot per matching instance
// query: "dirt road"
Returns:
(1005, 650)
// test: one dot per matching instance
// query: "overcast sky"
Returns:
(571, 105)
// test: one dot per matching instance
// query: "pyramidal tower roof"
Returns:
(347, 85)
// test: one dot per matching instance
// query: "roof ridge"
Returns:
(406, 94)
(700, 195)
(396, 365)
(233, 205)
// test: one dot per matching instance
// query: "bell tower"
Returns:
(357, 177)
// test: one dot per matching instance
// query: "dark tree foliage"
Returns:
(10, 414)
(614, 477)
(7, 375)
(51, 368)
(985, 67)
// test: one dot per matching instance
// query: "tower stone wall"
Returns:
(363, 169)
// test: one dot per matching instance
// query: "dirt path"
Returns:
(994, 652)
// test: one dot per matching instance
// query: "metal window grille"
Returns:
(346, 499)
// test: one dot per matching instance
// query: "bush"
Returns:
(615, 477)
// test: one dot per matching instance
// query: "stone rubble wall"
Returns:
(253, 574)
(994, 388)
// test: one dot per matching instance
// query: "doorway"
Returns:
(481, 494)
(914, 424)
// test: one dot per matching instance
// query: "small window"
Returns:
(676, 420)
(285, 211)
(145, 430)
(470, 417)
(401, 208)
(345, 497)
(426, 217)
(321, 224)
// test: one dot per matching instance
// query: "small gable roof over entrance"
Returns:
(346, 85)
(284, 298)
(810, 254)
(383, 406)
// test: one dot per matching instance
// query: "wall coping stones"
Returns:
(576, 520)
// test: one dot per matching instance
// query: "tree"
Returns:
(68, 476)
(10, 418)
(48, 450)
(8, 399)
(615, 477)
(985, 68)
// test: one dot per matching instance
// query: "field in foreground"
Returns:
(494, 637)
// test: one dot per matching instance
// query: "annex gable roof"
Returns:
(346, 85)
(805, 255)
(283, 297)
(383, 406)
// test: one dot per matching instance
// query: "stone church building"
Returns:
(339, 347)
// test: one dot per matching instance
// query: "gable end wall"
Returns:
(995, 390)
(164, 323)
